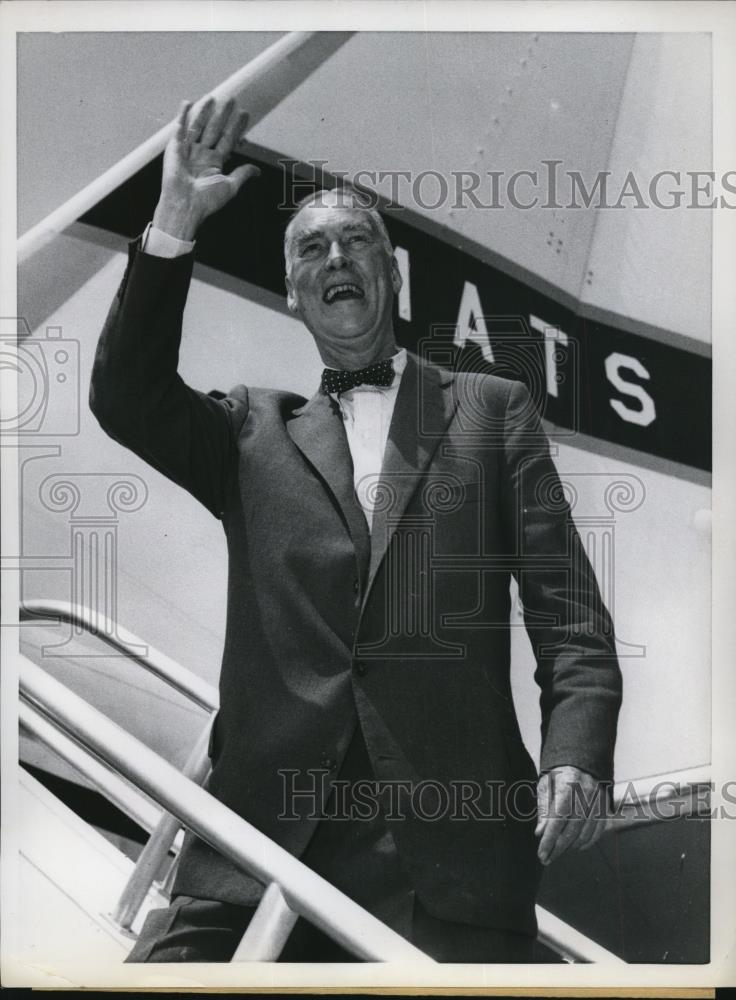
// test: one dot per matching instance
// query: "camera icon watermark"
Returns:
(47, 372)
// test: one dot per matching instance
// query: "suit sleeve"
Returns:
(139, 398)
(569, 626)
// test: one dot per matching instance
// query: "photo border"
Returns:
(454, 15)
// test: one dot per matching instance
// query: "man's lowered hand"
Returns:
(572, 808)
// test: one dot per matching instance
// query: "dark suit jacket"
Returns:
(405, 632)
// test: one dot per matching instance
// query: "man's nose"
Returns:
(336, 257)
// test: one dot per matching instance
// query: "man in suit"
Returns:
(372, 531)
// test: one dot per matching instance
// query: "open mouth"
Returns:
(340, 293)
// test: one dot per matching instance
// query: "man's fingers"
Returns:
(542, 804)
(242, 174)
(200, 120)
(594, 830)
(566, 838)
(560, 830)
(181, 121)
(216, 124)
(232, 133)
(580, 830)
(597, 823)
(551, 831)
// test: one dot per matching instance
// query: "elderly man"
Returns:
(371, 533)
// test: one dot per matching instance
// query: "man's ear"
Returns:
(291, 301)
(396, 279)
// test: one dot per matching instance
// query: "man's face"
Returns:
(342, 284)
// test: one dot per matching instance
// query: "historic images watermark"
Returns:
(313, 793)
(545, 186)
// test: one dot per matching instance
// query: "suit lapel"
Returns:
(424, 407)
(319, 433)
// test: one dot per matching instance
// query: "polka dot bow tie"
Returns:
(334, 381)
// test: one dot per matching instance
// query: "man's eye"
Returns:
(357, 239)
(310, 250)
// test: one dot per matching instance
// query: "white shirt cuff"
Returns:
(159, 244)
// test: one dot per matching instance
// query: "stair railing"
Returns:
(122, 767)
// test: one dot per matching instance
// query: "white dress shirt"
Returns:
(160, 244)
(367, 409)
(367, 412)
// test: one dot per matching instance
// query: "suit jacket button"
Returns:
(356, 586)
(361, 668)
(327, 762)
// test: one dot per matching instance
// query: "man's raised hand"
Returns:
(194, 185)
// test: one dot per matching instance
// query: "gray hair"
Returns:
(347, 197)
